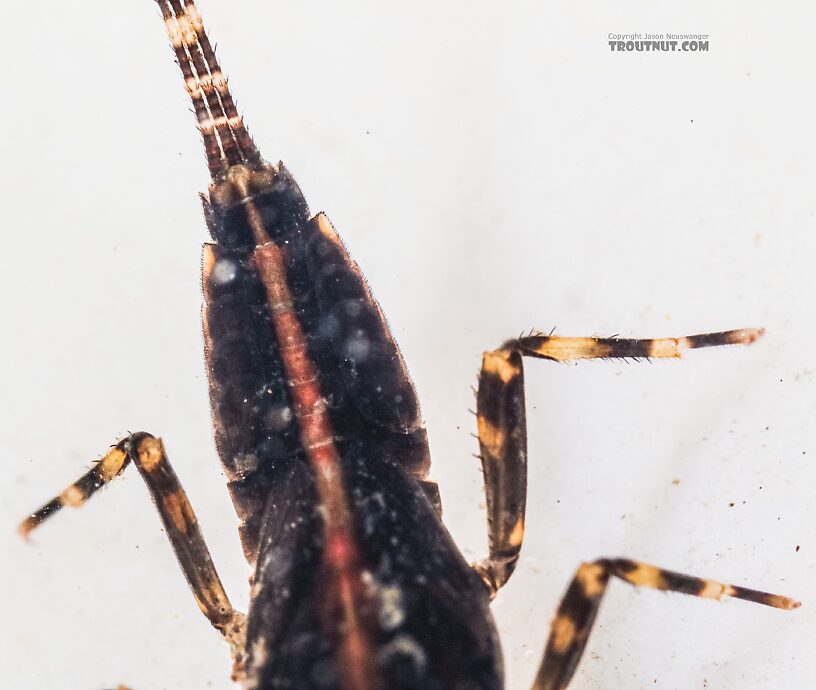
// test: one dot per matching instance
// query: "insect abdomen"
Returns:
(358, 368)
(426, 613)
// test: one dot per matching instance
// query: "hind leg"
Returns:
(576, 614)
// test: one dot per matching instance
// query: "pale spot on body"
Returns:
(72, 496)
(497, 363)
(563, 349)
(714, 590)
(358, 346)
(219, 81)
(224, 271)
(150, 453)
(195, 18)
(192, 86)
(647, 576)
(667, 347)
(562, 634)
(405, 647)
(353, 308)
(517, 535)
(175, 505)
(111, 464)
(392, 607)
(256, 589)
(245, 463)
(188, 33)
(173, 32)
(592, 578)
(490, 435)
(278, 417)
(259, 654)
(327, 230)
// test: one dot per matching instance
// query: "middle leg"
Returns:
(502, 427)
(503, 444)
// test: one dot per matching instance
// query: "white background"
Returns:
(493, 169)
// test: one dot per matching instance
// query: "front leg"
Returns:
(180, 524)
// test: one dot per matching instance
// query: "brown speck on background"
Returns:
(797, 548)
(731, 505)
(676, 482)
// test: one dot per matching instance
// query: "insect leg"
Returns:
(180, 523)
(110, 466)
(564, 349)
(576, 615)
(503, 431)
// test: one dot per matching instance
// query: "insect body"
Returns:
(357, 584)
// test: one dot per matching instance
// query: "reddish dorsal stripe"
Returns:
(341, 555)
(310, 406)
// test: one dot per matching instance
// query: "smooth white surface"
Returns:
(492, 168)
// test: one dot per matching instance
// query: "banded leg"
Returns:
(180, 524)
(502, 426)
(576, 615)
(502, 439)
(564, 349)
(503, 430)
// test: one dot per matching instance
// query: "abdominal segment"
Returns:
(342, 340)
